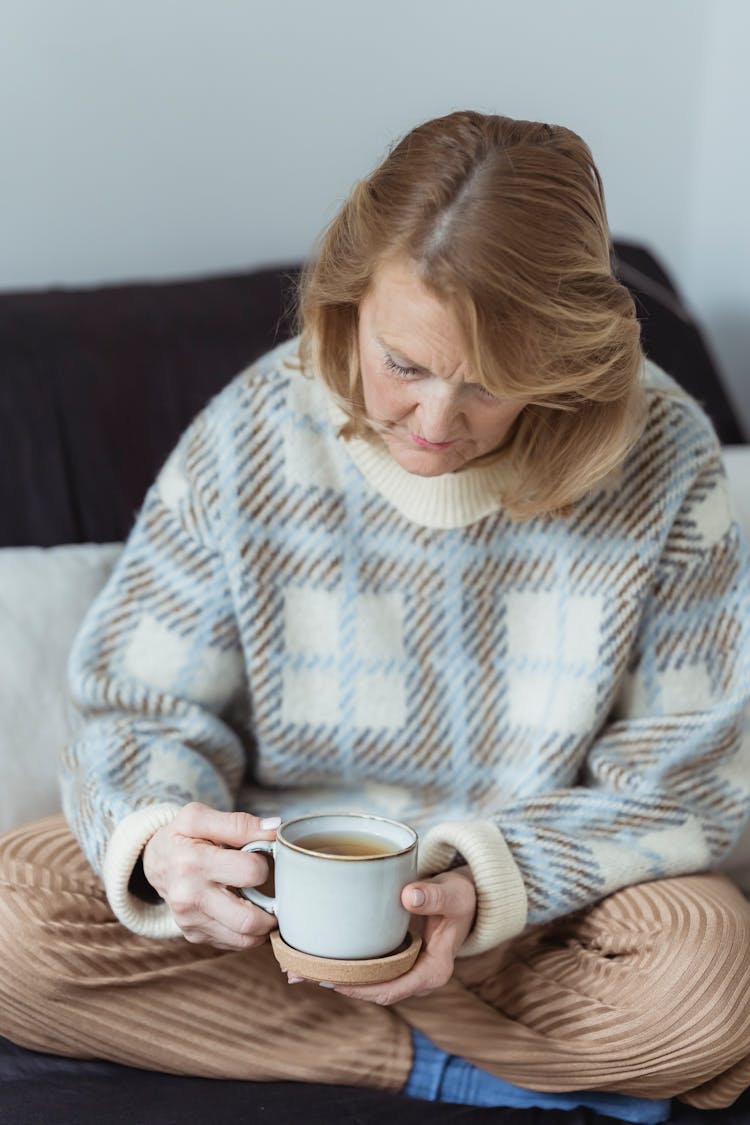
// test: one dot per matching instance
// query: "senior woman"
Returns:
(458, 555)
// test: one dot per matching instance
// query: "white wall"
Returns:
(716, 268)
(173, 137)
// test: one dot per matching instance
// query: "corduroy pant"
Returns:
(646, 993)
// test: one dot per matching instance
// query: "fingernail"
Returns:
(326, 984)
(270, 822)
(294, 980)
(417, 897)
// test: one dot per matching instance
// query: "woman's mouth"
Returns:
(425, 444)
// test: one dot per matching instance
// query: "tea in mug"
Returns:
(346, 844)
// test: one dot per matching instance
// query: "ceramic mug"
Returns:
(346, 906)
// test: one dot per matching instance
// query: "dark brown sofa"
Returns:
(95, 387)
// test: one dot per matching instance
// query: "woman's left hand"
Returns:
(448, 903)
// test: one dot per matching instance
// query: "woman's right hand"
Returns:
(194, 863)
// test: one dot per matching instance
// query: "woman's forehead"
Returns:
(402, 313)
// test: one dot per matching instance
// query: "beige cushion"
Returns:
(43, 597)
(737, 461)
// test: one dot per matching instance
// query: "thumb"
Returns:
(424, 898)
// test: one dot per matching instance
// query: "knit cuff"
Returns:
(125, 848)
(501, 896)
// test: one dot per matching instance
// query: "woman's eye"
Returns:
(483, 392)
(397, 369)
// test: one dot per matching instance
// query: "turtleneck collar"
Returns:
(442, 502)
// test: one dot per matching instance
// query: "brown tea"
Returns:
(346, 843)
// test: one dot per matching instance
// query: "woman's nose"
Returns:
(438, 412)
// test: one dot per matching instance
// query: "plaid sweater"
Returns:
(298, 624)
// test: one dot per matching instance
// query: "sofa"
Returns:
(95, 387)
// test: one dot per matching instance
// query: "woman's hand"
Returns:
(193, 864)
(448, 903)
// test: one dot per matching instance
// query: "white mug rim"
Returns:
(280, 838)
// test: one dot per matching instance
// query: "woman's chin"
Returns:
(425, 462)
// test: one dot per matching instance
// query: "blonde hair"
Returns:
(505, 221)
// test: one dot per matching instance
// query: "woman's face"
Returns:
(417, 379)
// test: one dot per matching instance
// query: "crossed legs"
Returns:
(646, 993)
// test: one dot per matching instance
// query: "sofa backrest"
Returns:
(96, 385)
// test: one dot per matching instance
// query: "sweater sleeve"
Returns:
(665, 787)
(158, 676)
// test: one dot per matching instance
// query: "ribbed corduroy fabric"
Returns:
(646, 993)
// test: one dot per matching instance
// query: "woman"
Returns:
(455, 555)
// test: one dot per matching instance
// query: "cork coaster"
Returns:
(365, 971)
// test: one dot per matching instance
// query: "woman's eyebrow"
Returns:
(404, 360)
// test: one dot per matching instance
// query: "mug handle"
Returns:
(265, 902)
